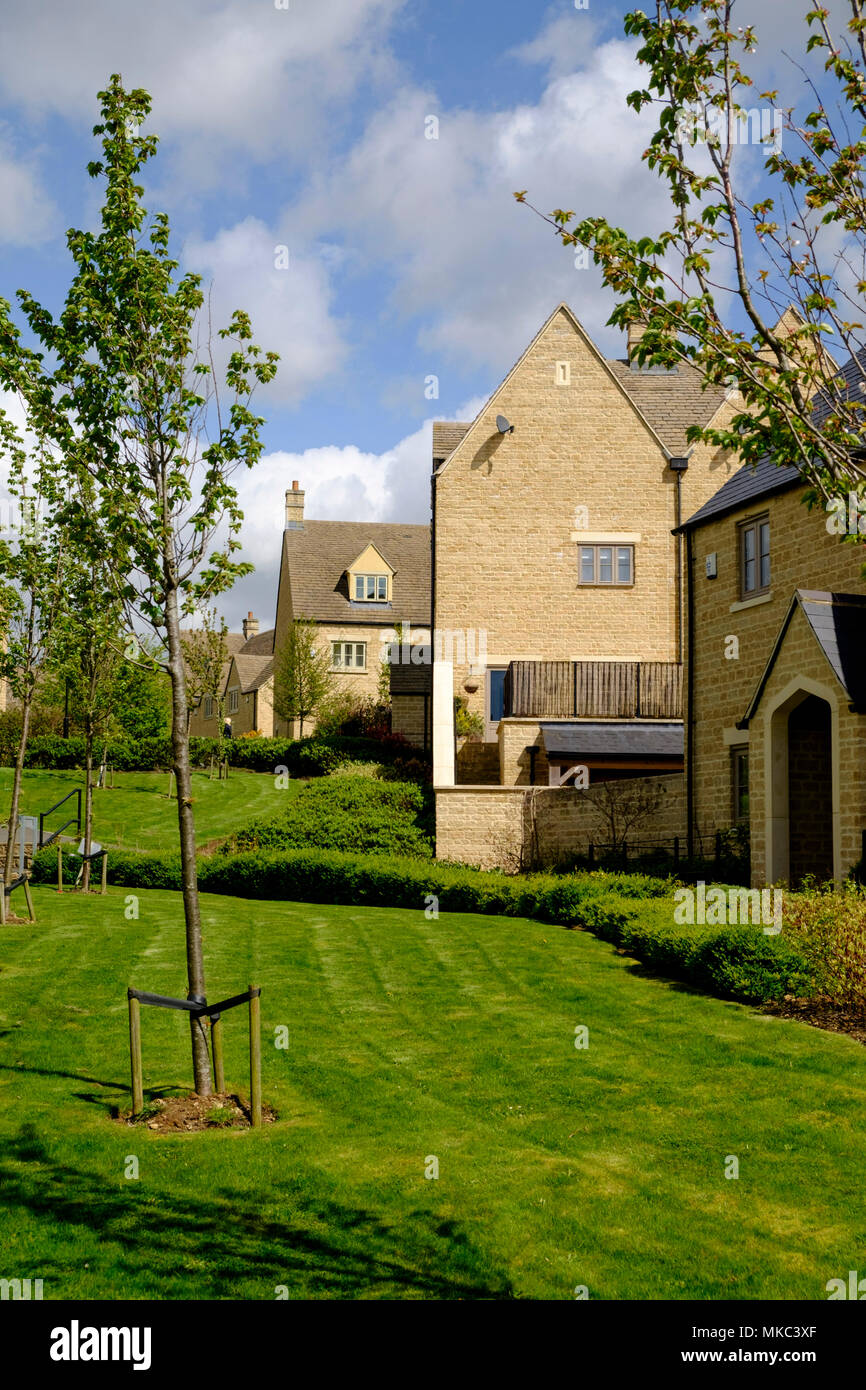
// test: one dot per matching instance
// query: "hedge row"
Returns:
(632, 911)
(354, 814)
(308, 757)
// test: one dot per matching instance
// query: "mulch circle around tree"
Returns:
(191, 1113)
(821, 1013)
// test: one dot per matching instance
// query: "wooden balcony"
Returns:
(594, 690)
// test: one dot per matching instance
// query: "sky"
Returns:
(344, 171)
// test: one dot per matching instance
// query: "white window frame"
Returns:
(377, 581)
(342, 664)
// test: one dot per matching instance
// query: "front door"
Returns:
(810, 792)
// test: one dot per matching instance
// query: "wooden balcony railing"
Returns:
(594, 690)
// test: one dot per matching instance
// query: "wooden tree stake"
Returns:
(216, 1034)
(255, 1060)
(135, 1055)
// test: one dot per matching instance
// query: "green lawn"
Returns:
(136, 813)
(411, 1038)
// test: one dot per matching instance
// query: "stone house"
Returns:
(558, 593)
(366, 586)
(775, 677)
(247, 682)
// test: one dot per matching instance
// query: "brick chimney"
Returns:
(294, 509)
(251, 626)
(635, 333)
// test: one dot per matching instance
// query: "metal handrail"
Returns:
(76, 820)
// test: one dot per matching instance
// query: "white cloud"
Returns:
(290, 308)
(27, 213)
(341, 483)
(562, 43)
(227, 76)
(479, 271)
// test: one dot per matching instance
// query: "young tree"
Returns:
(712, 285)
(304, 683)
(141, 697)
(149, 441)
(87, 656)
(31, 599)
(205, 651)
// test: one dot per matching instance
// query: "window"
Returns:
(349, 656)
(606, 564)
(755, 557)
(208, 707)
(371, 588)
(740, 782)
(234, 700)
(495, 701)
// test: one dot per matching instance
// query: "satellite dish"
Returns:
(503, 426)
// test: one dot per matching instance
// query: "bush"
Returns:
(632, 911)
(829, 926)
(348, 813)
(309, 757)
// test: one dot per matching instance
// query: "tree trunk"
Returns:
(16, 783)
(186, 821)
(88, 800)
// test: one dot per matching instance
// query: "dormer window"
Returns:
(371, 588)
(370, 578)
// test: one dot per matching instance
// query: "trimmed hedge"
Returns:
(306, 757)
(632, 911)
(350, 812)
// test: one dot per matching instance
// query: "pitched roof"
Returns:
(838, 622)
(613, 738)
(764, 479)
(253, 671)
(260, 645)
(850, 384)
(670, 401)
(319, 553)
(667, 401)
(749, 484)
(562, 308)
(447, 434)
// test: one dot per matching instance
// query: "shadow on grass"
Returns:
(293, 1233)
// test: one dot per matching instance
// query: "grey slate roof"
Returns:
(319, 553)
(584, 738)
(670, 401)
(849, 384)
(838, 622)
(767, 478)
(749, 484)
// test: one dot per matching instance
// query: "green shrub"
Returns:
(125, 868)
(348, 813)
(308, 757)
(631, 911)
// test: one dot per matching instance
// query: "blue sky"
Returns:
(305, 127)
